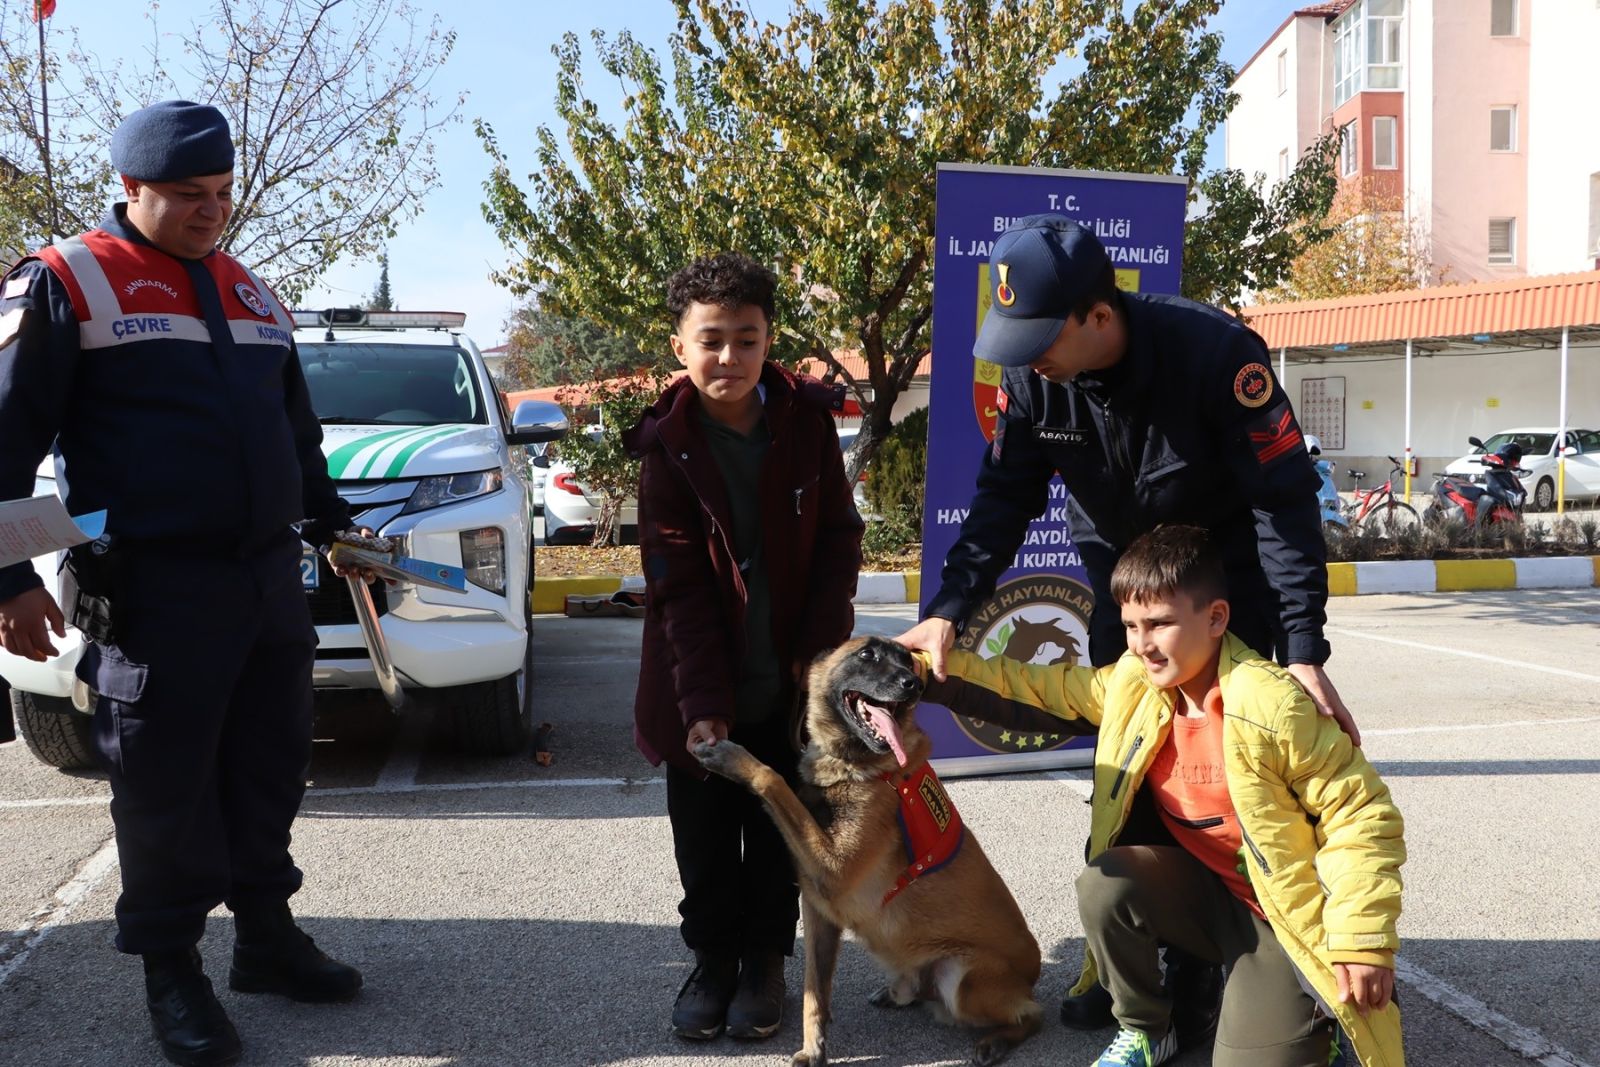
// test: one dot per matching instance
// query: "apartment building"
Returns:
(1478, 115)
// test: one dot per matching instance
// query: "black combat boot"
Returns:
(193, 1029)
(702, 1005)
(273, 955)
(757, 1008)
(1090, 1010)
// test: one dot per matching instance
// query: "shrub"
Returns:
(898, 473)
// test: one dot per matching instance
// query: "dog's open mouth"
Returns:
(877, 721)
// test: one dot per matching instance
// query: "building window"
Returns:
(1384, 21)
(1503, 129)
(1346, 56)
(1503, 18)
(1349, 154)
(1283, 164)
(1383, 143)
(1283, 72)
(1367, 42)
(1503, 242)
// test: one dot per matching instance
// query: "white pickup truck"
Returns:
(420, 443)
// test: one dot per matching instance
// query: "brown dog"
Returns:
(940, 921)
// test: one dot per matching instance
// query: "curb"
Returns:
(1344, 579)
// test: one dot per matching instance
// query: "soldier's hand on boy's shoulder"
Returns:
(706, 732)
(1368, 987)
(1314, 680)
(932, 635)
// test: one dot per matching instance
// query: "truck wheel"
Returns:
(55, 731)
(495, 718)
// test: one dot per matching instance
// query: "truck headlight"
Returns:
(441, 489)
(483, 556)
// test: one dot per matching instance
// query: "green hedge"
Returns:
(895, 482)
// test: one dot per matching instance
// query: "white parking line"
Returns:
(1530, 1044)
(1443, 728)
(1500, 660)
(18, 945)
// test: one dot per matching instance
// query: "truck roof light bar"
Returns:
(380, 320)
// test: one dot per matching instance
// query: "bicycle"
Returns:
(1377, 508)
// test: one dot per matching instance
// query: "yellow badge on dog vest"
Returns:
(929, 824)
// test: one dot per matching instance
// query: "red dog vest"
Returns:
(929, 823)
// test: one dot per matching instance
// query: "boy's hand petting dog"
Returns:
(1369, 988)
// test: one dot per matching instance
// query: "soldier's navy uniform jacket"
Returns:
(1191, 426)
(174, 398)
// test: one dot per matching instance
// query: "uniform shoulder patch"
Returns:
(10, 323)
(1252, 386)
(15, 287)
(1275, 434)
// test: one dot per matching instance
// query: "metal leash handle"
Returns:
(377, 647)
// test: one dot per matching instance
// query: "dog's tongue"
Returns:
(885, 724)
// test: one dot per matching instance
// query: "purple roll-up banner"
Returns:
(1040, 610)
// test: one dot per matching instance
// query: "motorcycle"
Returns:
(1498, 499)
(1334, 520)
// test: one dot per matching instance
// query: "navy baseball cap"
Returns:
(1039, 269)
(172, 140)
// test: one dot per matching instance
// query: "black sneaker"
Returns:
(273, 955)
(757, 1008)
(702, 1004)
(188, 1020)
(1088, 1011)
(1195, 986)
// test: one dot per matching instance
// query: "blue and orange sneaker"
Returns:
(1135, 1049)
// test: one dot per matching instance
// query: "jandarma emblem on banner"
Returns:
(1035, 618)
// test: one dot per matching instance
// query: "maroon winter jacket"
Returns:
(694, 595)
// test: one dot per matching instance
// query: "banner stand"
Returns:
(1040, 610)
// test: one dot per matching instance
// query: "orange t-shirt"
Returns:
(1190, 787)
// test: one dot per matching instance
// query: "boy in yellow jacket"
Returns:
(1277, 848)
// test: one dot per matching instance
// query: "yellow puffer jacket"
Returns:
(1324, 836)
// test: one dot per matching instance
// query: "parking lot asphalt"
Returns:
(510, 913)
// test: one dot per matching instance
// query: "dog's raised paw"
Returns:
(726, 758)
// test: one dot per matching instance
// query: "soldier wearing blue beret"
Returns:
(163, 373)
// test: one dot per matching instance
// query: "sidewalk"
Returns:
(1344, 579)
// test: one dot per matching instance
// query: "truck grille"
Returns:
(330, 601)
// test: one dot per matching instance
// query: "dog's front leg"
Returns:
(822, 954)
(815, 857)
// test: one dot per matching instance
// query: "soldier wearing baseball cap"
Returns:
(163, 373)
(1153, 409)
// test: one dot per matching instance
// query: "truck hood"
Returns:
(374, 453)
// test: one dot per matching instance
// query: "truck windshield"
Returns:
(412, 385)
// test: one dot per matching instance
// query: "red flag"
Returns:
(43, 9)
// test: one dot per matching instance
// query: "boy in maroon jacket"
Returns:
(750, 544)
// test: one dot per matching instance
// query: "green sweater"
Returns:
(759, 679)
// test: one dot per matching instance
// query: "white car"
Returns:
(420, 444)
(1539, 460)
(571, 509)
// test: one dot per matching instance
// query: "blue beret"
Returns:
(172, 140)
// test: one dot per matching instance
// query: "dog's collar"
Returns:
(930, 826)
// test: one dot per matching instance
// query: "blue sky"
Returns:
(502, 61)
